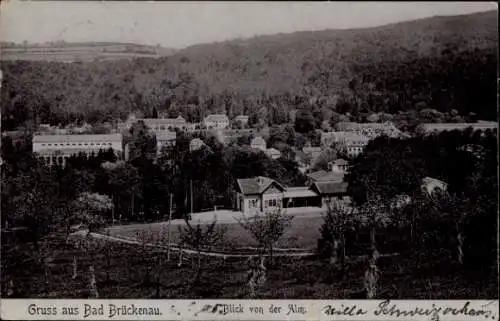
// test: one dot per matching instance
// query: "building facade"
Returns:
(273, 153)
(165, 139)
(370, 130)
(263, 195)
(56, 149)
(243, 119)
(258, 143)
(433, 128)
(339, 166)
(352, 143)
(216, 121)
(195, 144)
(161, 125)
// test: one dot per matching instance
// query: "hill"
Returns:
(81, 51)
(446, 64)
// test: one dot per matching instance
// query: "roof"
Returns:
(240, 117)
(258, 141)
(429, 180)
(340, 162)
(216, 117)
(273, 151)
(458, 126)
(72, 151)
(163, 121)
(196, 141)
(166, 135)
(311, 149)
(76, 138)
(299, 192)
(324, 176)
(255, 185)
(331, 187)
(358, 126)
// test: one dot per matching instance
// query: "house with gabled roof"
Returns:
(339, 165)
(258, 194)
(262, 194)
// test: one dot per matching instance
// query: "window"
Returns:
(49, 144)
(79, 144)
(91, 144)
(86, 144)
(73, 144)
(43, 144)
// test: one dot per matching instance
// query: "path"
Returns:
(83, 234)
(224, 217)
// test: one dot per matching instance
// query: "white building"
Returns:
(195, 144)
(430, 128)
(258, 143)
(216, 121)
(432, 185)
(56, 149)
(159, 125)
(371, 130)
(243, 119)
(339, 166)
(352, 143)
(273, 153)
(165, 139)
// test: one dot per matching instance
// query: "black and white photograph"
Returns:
(249, 150)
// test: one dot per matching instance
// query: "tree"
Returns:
(304, 121)
(201, 239)
(90, 208)
(454, 209)
(34, 202)
(373, 213)
(266, 229)
(337, 222)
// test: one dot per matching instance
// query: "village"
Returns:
(300, 163)
(255, 194)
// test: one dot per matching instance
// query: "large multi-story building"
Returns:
(352, 143)
(216, 121)
(160, 125)
(243, 119)
(430, 128)
(56, 149)
(370, 130)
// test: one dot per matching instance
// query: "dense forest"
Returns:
(445, 65)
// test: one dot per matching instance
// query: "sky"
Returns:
(180, 24)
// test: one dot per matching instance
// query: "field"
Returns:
(126, 270)
(303, 233)
(122, 272)
(70, 52)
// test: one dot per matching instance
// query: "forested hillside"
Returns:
(447, 64)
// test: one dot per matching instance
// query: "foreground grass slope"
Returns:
(429, 276)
